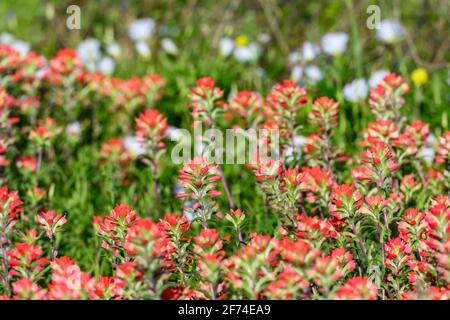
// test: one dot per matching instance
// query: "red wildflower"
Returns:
(152, 126)
(357, 288)
(324, 113)
(51, 222)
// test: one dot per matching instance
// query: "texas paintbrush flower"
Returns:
(248, 106)
(443, 150)
(284, 104)
(26, 164)
(386, 98)
(152, 87)
(205, 90)
(26, 289)
(268, 170)
(45, 132)
(113, 152)
(357, 289)
(65, 62)
(203, 97)
(287, 95)
(148, 246)
(324, 114)
(380, 160)
(26, 261)
(198, 178)
(51, 222)
(369, 224)
(10, 206)
(43, 135)
(113, 228)
(152, 126)
(319, 147)
(208, 247)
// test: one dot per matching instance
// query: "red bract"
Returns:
(51, 222)
(381, 131)
(69, 282)
(65, 62)
(287, 95)
(145, 235)
(152, 126)
(9, 207)
(316, 179)
(151, 130)
(398, 255)
(198, 179)
(357, 289)
(247, 105)
(27, 163)
(46, 130)
(205, 90)
(26, 289)
(324, 113)
(387, 98)
(313, 230)
(113, 228)
(175, 224)
(268, 170)
(114, 152)
(9, 58)
(26, 260)
(345, 200)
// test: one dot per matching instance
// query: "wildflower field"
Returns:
(224, 150)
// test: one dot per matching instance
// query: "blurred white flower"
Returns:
(199, 147)
(134, 145)
(309, 51)
(313, 74)
(73, 129)
(6, 38)
(297, 73)
(143, 49)
(107, 65)
(169, 46)
(376, 77)
(141, 29)
(89, 52)
(21, 46)
(356, 90)
(427, 154)
(113, 49)
(264, 38)
(260, 72)
(334, 43)
(226, 46)
(295, 57)
(174, 133)
(299, 141)
(390, 31)
(247, 53)
(431, 140)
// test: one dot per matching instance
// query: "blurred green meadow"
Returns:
(243, 45)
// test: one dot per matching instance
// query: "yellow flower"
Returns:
(241, 41)
(419, 76)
